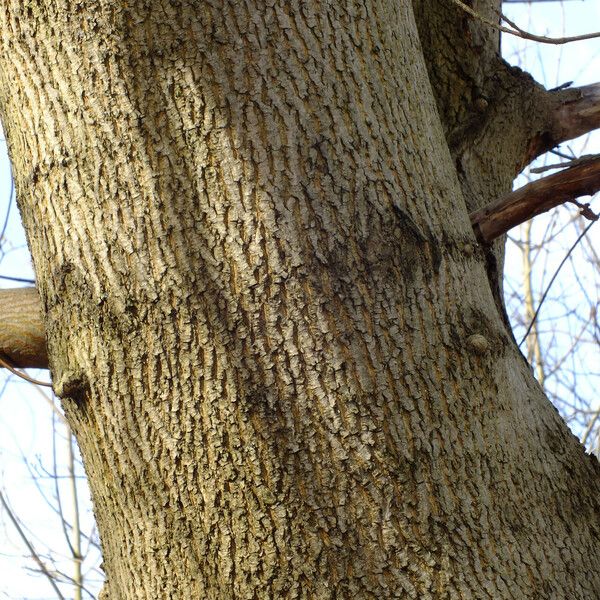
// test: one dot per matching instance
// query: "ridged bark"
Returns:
(267, 314)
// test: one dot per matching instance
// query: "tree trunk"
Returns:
(267, 315)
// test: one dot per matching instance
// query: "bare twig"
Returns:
(30, 547)
(518, 32)
(17, 279)
(5, 363)
(566, 165)
(76, 547)
(590, 427)
(564, 260)
(561, 154)
(57, 495)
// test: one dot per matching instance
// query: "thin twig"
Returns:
(19, 279)
(57, 495)
(566, 165)
(5, 364)
(564, 260)
(590, 426)
(31, 549)
(518, 32)
(562, 154)
(76, 548)
(68, 579)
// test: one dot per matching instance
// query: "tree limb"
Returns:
(580, 115)
(576, 112)
(537, 197)
(22, 337)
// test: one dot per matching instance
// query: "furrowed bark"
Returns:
(577, 112)
(267, 313)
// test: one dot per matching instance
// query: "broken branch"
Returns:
(535, 198)
(576, 112)
(580, 115)
(22, 335)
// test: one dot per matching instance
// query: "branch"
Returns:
(572, 112)
(579, 115)
(515, 30)
(535, 198)
(22, 334)
(526, 35)
(34, 555)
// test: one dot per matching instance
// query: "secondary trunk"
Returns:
(267, 315)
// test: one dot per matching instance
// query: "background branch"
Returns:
(517, 31)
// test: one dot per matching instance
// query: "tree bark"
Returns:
(267, 315)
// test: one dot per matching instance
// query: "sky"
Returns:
(26, 433)
(574, 294)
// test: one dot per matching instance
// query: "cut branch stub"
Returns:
(22, 337)
(581, 115)
(535, 198)
(576, 112)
